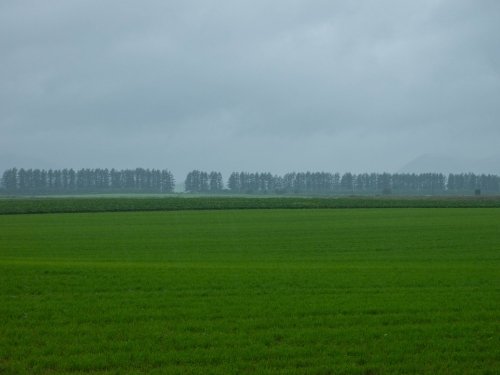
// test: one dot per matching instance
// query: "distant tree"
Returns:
(57, 184)
(216, 184)
(9, 180)
(385, 183)
(156, 180)
(233, 182)
(190, 184)
(22, 180)
(347, 182)
(289, 182)
(279, 185)
(71, 179)
(167, 182)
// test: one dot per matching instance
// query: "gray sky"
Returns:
(248, 85)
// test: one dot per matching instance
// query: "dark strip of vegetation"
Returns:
(322, 183)
(85, 181)
(69, 181)
(86, 204)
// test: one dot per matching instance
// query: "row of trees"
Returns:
(25, 181)
(87, 180)
(348, 183)
(203, 182)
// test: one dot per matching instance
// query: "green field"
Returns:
(310, 291)
(92, 203)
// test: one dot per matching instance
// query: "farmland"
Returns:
(103, 203)
(317, 291)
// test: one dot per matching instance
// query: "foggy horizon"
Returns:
(251, 86)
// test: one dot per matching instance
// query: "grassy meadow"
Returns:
(310, 291)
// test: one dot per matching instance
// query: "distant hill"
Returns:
(450, 164)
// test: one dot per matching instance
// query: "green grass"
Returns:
(251, 291)
(187, 202)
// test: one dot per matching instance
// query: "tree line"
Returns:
(137, 180)
(203, 182)
(347, 183)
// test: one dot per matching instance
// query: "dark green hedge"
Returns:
(113, 204)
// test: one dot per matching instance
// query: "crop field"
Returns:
(92, 203)
(309, 291)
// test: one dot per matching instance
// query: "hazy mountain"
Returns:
(452, 164)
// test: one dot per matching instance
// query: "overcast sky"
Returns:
(248, 85)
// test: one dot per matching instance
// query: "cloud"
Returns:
(236, 76)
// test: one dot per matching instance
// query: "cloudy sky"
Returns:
(248, 85)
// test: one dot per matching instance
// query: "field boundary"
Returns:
(99, 204)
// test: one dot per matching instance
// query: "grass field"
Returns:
(365, 291)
